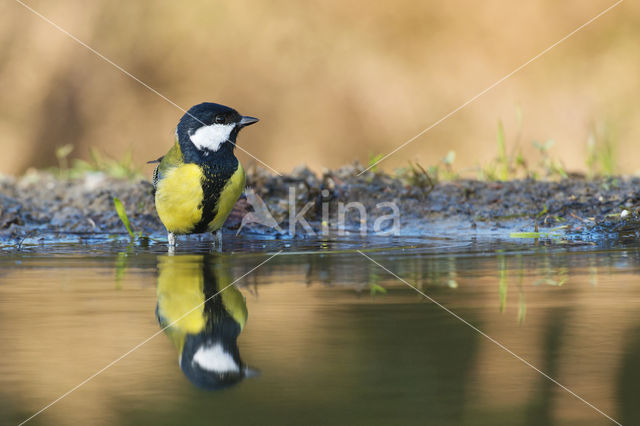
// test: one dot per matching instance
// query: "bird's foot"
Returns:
(171, 242)
(217, 242)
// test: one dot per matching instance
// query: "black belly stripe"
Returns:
(215, 178)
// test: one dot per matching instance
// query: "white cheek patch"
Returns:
(211, 137)
(214, 358)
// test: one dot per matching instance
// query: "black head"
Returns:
(213, 364)
(210, 127)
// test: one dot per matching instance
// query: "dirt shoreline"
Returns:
(41, 204)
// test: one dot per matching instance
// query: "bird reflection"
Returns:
(206, 337)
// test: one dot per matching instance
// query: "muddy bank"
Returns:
(39, 205)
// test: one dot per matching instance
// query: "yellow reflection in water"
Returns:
(203, 314)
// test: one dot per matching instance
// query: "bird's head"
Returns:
(209, 127)
(213, 365)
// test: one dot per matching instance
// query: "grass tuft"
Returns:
(123, 168)
(122, 214)
(602, 145)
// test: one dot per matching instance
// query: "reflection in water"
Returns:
(629, 379)
(206, 337)
(331, 353)
(541, 405)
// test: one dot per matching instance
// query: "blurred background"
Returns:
(332, 81)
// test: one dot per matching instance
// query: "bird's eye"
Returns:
(220, 119)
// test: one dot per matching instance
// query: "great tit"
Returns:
(200, 179)
(206, 337)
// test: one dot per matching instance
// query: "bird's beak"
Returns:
(247, 121)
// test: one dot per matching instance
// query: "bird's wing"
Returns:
(155, 177)
(172, 159)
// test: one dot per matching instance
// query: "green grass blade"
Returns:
(502, 282)
(122, 214)
(502, 154)
(377, 288)
(534, 235)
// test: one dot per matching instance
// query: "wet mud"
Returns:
(43, 207)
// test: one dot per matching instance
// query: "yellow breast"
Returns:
(179, 198)
(180, 290)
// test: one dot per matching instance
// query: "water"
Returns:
(330, 336)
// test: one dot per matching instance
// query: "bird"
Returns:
(203, 314)
(199, 180)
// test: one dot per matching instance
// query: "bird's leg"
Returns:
(217, 242)
(171, 238)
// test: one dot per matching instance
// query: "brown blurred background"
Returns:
(332, 81)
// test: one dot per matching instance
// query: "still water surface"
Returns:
(319, 334)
